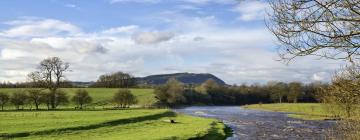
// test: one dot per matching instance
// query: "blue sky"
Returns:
(227, 38)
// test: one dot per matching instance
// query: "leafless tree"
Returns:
(325, 28)
(50, 74)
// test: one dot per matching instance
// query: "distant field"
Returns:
(132, 124)
(145, 96)
(308, 111)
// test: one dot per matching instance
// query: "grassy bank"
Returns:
(131, 124)
(144, 96)
(307, 111)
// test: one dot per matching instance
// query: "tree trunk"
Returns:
(53, 98)
(36, 106)
(280, 99)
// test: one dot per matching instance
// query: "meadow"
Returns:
(129, 124)
(307, 111)
(105, 123)
(144, 96)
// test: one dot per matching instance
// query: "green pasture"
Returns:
(130, 124)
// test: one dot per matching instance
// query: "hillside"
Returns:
(187, 78)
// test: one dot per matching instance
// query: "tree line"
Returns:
(123, 98)
(175, 93)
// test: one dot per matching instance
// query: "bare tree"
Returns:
(4, 98)
(325, 28)
(50, 74)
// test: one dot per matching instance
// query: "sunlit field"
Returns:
(111, 124)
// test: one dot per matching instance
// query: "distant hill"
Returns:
(187, 78)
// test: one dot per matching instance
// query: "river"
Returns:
(261, 125)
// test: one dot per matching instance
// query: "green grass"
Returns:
(145, 96)
(307, 111)
(132, 124)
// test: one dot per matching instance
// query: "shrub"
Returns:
(19, 98)
(4, 98)
(124, 98)
(81, 98)
(36, 97)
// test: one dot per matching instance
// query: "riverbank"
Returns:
(306, 111)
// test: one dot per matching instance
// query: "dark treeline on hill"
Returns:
(115, 80)
(186, 78)
(175, 93)
(125, 80)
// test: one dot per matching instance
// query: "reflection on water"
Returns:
(252, 124)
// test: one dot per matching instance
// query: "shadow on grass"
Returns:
(92, 126)
(215, 133)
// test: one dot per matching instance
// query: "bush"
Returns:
(60, 98)
(171, 93)
(19, 98)
(124, 98)
(36, 97)
(81, 98)
(4, 98)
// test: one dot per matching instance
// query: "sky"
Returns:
(227, 38)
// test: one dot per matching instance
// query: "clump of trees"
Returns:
(171, 93)
(115, 80)
(123, 98)
(81, 98)
(50, 75)
(211, 93)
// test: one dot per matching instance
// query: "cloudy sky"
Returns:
(224, 37)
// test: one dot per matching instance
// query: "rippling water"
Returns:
(263, 125)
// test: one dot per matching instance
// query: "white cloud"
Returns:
(39, 28)
(196, 44)
(123, 29)
(152, 37)
(71, 5)
(251, 10)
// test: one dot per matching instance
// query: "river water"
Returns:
(261, 125)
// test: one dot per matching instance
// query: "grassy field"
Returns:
(145, 96)
(131, 124)
(308, 111)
